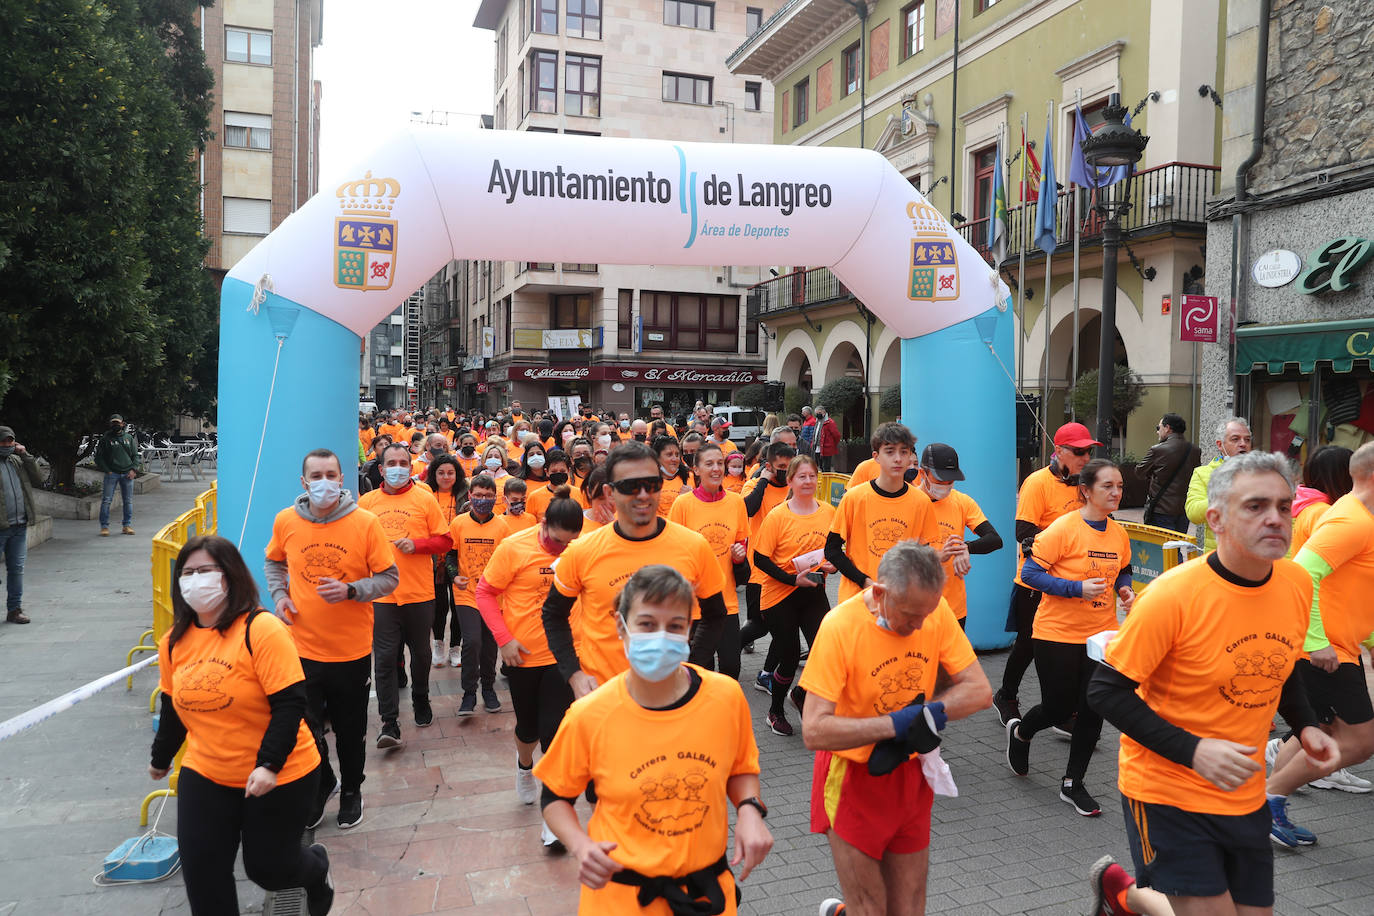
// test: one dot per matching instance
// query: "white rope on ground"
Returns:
(25, 720)
(252, 485)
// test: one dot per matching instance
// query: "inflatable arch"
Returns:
(293, 311)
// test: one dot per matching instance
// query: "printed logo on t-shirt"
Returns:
(198, 688)
(719, 535)
(899, 681)
(884, 533)
(1103, 564)
(322, 561)
(1261, 663)
(672, 802)
(395, 522)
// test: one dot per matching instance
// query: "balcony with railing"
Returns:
(815, 287)
(1167, 199)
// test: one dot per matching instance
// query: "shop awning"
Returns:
(1274, 346)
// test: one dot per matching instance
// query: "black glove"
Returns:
(918, 737)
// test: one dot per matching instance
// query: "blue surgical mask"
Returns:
(324, 492)
(493, 463)
(6, 451)
(536, 461)
(883, 624)
(655, 656)
(397, 475)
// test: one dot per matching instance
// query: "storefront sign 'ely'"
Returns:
(1331, 266)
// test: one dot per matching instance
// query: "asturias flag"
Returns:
(998, 218)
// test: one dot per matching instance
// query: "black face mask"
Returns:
(639, 437)
(582, 466)
(558, 478)
(689, 459)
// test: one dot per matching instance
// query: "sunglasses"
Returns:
(631, 486)
(1080, 452)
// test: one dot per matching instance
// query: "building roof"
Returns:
(787, 36)
(489, 14)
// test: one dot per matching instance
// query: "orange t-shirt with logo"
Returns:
(673, 487)
(1072, 549)
(412, 514)
(474, 542)
(522, 522)
(537, 503)
(522, 570)
(1211, 657)
(772, 497)
(867, 470)
(469, 465)
(366, 435)
(952, 515)
(784, 536)
(723, 523)
(220, 692)
(347, 549)
(1042, 499)
(1344, 539)
(448, 507)
(867, 671)
(1304, 524)
(661, 778)
(596, 566)
(733, 484)
(870, 523)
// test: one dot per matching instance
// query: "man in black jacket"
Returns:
(1168, 467)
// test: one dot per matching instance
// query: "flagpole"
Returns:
(1052, 203)
(1021, 264)
(1077, 235)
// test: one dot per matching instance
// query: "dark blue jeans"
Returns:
(126, 494)
(1177, 523)
(14, 545)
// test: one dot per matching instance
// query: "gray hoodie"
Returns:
(370, 589)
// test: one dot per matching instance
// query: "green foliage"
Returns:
(1127, 393)
(794, 399)
(108, 306)
(841, 395)
(754, 396)
(890, 402)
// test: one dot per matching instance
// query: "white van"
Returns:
(367, 408)
(745, 422)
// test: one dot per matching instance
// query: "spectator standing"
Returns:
(1168, 467)
(117, 455)
(1233, 438)
(807, 429)
(827, 440)
(18, 475)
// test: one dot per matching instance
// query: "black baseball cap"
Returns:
(941, 462)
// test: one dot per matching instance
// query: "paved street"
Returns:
(443, 831)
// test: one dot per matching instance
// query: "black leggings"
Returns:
(338, 691)
(726, 659)
(540, 696)
(801, 612)
(1021, 618)
(211, 821)
(446, 614)
(1065, 671)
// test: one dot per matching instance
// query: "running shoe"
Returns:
(1007, 707)
(438, 653)
(1109, 882)
(424, 713)
(832, 906)
(1282, 830)
(551, 841)
(779, 725)
(1271, 751)
(350, 809)
(469, 704)
(490, 701)
(1344, 781)
(526, 786)
(319, 897)
(455, 657)
(390, 736)
(764, 681)
(1018, 750)
(1072, 791)
(747, 648)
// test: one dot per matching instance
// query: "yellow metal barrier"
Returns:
(831, 486)
(208, 504)
(1149, 557)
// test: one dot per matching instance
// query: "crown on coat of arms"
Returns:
(368, 196)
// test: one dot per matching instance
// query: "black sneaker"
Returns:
(798, 697)
(350, 808)
(1018, 750)
(778, 724)
(320, 898)
(390, 736)
(322, 797)
(424, 715)
(490, 701)
(469, 704)
(1072, 791)
(747, 648)
(1007, 707)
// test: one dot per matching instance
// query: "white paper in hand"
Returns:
(805, 562)
(937, 773)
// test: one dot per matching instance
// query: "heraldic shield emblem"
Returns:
(365, 236)
(934, 263)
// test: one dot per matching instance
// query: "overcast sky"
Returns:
(380, 60)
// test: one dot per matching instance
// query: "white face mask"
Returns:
(204, 592)
(324, 492)
(604, 441)
(938, 491)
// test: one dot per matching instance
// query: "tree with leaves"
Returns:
(108, 305)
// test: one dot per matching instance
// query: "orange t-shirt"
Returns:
(522, 522)
(1211, 657)
(522, 570)
(723, 523)
(784, 536)
(673, 487)
(1304, 524)
(469, 465)
(412, 514)
(393, 430)
(726, 447)
(867, 671)
(1344, 539)
(589, 524)
(870, 523)
(867, 470)
(220, 693)
(661, 779)
(772, 497)
(448, 507)
(474, 543)
(366, 435)
(347, 549)
(733, 484)
(1042, 499)
(537, 502)
(596, 566)
(1072, 549)
(952, 515)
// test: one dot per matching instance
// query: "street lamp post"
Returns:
(1112, 146)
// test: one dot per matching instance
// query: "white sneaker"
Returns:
(1344, 781)
(438, 652)
(1271, 751)
(526, 786)
(551, 841)
(455, 657)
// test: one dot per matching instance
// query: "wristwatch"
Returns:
(352, 592)
(756, 803)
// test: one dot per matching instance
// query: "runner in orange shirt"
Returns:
(1193, 679)
(416, 528)
(450, 486)
(476, 535)
(1326, 479)
(599, 508)
(467, 456)
(537, 502)
(721, 518)
(762, 493)
(866, 471)
(1045, 495)
(668, 746)
(954, 512)
(366, 434)
(873, 717)
(1081, 564)
(734, 472)
(516, 492)
(327, 561)
(790, 567)
(233, 688)
(676, 474)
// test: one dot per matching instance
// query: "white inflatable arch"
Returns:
(293, 311)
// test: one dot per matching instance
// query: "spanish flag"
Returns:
(1030, 171)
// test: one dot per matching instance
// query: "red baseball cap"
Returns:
(1074, 435)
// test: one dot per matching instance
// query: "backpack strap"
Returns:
(247, 636)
